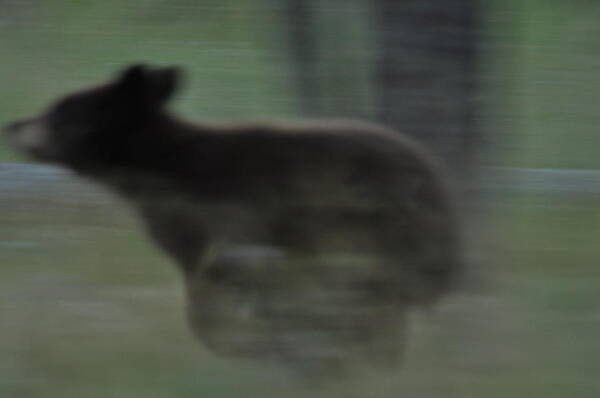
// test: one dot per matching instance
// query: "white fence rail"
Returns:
(37, 182)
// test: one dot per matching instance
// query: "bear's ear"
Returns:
(151, 87)
(131, 79)
(161, 84)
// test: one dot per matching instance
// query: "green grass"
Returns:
(90, 308)
(545, 70)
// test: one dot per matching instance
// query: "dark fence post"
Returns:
(427, 74)
(300, 25)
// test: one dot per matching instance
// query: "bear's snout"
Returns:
(29, 135)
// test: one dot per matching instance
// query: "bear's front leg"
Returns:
(182, 234)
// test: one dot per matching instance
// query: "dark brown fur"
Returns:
(318, 196)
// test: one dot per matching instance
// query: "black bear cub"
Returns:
(301, 242)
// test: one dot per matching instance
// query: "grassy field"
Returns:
(89, 308)
(555, 86)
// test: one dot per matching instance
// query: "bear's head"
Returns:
(99, 125)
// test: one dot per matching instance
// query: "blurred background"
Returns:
(505, 92)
